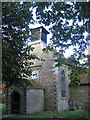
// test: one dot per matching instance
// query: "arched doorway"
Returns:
(15, 102)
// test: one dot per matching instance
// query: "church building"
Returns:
(48, 88)
(54, 79)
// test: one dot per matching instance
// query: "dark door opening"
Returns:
(15, 102)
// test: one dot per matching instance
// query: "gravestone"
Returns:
(71, 104)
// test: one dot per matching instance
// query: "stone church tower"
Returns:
(54, 79)
(48, 88)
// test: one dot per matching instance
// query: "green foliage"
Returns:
(15, 33)
(75, 75)
(66, 34)
(47, 49)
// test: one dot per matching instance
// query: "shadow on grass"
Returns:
(79, 114)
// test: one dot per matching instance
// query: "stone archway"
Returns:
(15, 102)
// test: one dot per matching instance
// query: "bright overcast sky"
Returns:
(68, 51)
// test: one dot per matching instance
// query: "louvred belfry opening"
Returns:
(40, 33)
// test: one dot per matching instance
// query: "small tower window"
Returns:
(63, 84)
(34, 75)
(63, 93)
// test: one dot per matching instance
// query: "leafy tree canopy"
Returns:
(69, 22)
(15, 30)
(65, 34)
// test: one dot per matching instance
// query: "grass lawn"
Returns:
(2, 107)
(50, 114)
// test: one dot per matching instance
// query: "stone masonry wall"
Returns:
(35, 100)
(46, 75)
(80, 96)
(22, 93)
(63, 102)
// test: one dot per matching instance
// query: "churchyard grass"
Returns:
(2, 107)
(50, 114)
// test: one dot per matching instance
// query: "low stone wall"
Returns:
(81, 96)
(35, 100)
(31, 100)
